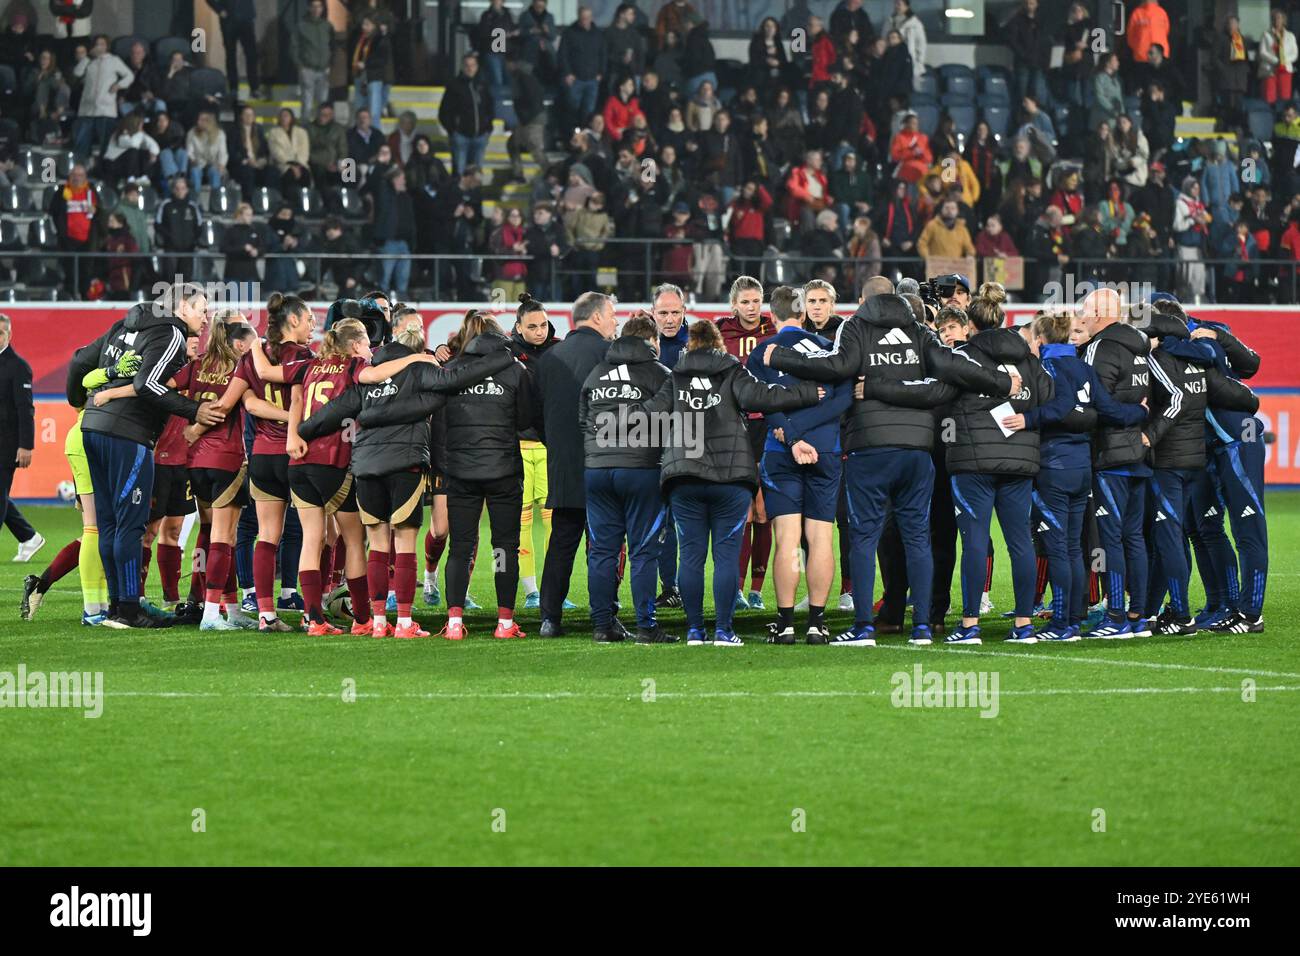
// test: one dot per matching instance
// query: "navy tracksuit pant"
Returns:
(704, 510)
(122, 471)
(1061, 498)
(623, 503)
(668, 552)
(1240, 467)
(1119, 505)
(1215, 558)
(878, 480)
(1170, 500)
(975, 498)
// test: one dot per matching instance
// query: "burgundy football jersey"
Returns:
(171, 447)
(221, 446)
(269, 436)
(321, 380)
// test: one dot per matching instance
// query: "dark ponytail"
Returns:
(279, 309)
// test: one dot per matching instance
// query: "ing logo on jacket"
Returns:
(485, 387)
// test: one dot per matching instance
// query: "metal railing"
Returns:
(637, 268)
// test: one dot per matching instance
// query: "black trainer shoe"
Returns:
(1170, 624)
(550, 629)
(669, 597)
(818, 635)
(655, 635)
(31, 597)
(617, 628)
(607, 637)
(1241, 624)
(776, 634)
(138, 621)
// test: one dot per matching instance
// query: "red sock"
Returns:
(377, 578)
(309, 581)
(988, 573)
(199, 563)
(63, 562)
(1094, 587)
(433, 548)
(744, 549)
(622, 563)
(404, 583)
(219, 565)
(1040, 583)
(146, 554)
(340, 561)
(359, 591)
(232, 579)
(759, 552)
(326, 564)
(506, 613)
(169, 569)
(264, 575)
(473, 556)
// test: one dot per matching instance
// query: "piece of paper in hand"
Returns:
(1003, 411)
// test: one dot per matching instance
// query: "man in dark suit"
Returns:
(17, 437)
(238, 28)
(560, 373)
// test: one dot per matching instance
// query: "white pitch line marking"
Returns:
(1118, 662)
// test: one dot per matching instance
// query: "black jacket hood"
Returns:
(1127, 336)
(1166, 326)
(631, 349)
(705, 362)
(888, 311)
(486, 343)
(1001, 345)
(144, 315)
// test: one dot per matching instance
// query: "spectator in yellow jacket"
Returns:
(946, 236)
(952, 168)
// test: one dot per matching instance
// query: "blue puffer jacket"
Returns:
(1233, 358)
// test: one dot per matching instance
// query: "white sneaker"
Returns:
(27, 549)
(846, 602)
(986, 604)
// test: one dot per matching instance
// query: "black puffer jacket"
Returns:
(529, 354)
(978, 444)
(158, 337)
(393, 415)
(884, 343)
(1118, 353)
(708, 393)
(485, 419)
(613, 438)
(1181, 390)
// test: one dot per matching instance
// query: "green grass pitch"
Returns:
(565, 752)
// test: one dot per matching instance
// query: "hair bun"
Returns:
(276, 302)
(993, 291)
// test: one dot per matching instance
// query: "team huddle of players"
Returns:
(1111, 443)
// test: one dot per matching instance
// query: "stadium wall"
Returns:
(47, 334)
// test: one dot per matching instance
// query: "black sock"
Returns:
(128, 608)
(785, 617)
(816, 615)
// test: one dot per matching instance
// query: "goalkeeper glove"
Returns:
(96, 378)
(127, 365)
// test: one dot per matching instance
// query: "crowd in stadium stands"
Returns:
(838, 153)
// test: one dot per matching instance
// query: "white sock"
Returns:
(530, 585)
(235, 613)
(453, 620)
(287, 592)
(248, 591)
(211, 610)
(403, 621)
(431, 578)
(381, 621)
(267, 616)
(505, 622)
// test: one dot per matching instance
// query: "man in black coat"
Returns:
(466, 114)
(17, 437)
(561, 371)
(238, 27)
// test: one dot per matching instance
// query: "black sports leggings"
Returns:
(504, 498)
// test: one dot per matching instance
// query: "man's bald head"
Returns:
(1101, 308)
(876, 285)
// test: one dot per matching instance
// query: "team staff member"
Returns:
(623, 499)
(1120, 473)
(992, 470)
(484, 467)
(1182, 390)
(119, 436)
(668, 306)
(801, 475)
(559, 376)
(218, 469)
(742, 330)
(1064, 481)
(17, 438)
(709, 474)
(889, 436)
(533, 335)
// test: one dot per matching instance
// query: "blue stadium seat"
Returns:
(929, 83)
(923, 99)
(1249, 103)
(121, 47)
(1260, 123)
(164, 47)
(957, 79)
(963, 118)
(989, 73)
(994, 98)
(1133, 106)
(949, 100)
(205, 81)
(998, 118)
(928, 117)
(994, 84)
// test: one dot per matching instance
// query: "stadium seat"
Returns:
(8, 80)
(994, 85)
(1249, 103)
(107, 194)
(308, 204)
(781, 233)
(956, 99)
(922, 99)
(210, 234)
(10, 238)
(928, 117)
(998, 118)
(263, 200)
(957, 79)
(121, 47)
(990, 73)
(505, 112)
(206, 81)
(41, 234)
(963, 119)
(15, 199)
(1061, 119)
(1260, 123)
(928, 84)
(351, 205)
(64, 160)
(1133, 107)
(35, 272)
(223, 200)
(164, 47)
